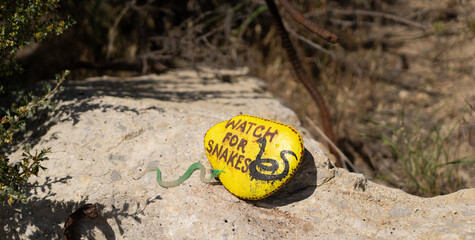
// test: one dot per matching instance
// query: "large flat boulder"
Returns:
(107, 130)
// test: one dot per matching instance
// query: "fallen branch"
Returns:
(346, 160)
(312, 44)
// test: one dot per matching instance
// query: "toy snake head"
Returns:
(216, 172)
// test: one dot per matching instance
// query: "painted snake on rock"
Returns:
(267, 164)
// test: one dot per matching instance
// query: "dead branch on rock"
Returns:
(303, 77)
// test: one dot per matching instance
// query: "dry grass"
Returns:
(382, 68)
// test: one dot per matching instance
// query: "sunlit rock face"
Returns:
(107, 130)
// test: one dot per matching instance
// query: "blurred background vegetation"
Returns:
(20, 23)
(400, 84)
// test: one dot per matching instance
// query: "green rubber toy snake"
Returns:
(191, 169)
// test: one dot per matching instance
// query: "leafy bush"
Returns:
(22, 21)
(14, 176)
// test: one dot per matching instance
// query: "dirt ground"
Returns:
(385, 71)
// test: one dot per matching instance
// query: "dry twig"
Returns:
(346, 160)
(312, 44)
(300, 18)
(360, 12)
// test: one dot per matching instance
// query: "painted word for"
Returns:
(230, 157)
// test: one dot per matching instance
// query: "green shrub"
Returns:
(22, 21)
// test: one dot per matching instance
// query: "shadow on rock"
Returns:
(301, 186)
(77, 96)
(45, 219)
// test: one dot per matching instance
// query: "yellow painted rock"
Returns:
(258, 155)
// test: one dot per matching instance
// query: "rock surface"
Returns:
(106, 130)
